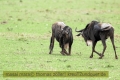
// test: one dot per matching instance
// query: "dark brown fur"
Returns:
(63, 35)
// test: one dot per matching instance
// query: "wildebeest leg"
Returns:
(51, 44)
(93, 49)
(104, 45)
(112, 40)
(98, 53)
(61, 43)
(69, 49)
(63, 50)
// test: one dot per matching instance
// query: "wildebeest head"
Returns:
(84, 34)
(66, 31)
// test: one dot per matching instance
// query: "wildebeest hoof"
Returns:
(101, 54)
(91, 56)
(100, 57)
(116, 57)
(67, 54)
(62, 53)
(49, 52)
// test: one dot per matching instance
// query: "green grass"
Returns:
(25, 31)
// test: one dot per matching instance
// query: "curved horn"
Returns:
(79, 30)
(79, 34)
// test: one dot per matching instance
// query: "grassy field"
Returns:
(25, 31)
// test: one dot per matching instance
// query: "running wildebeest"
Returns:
(63, 35)
(95, 31)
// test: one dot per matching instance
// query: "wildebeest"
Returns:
(95, 31)
(63, 35)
